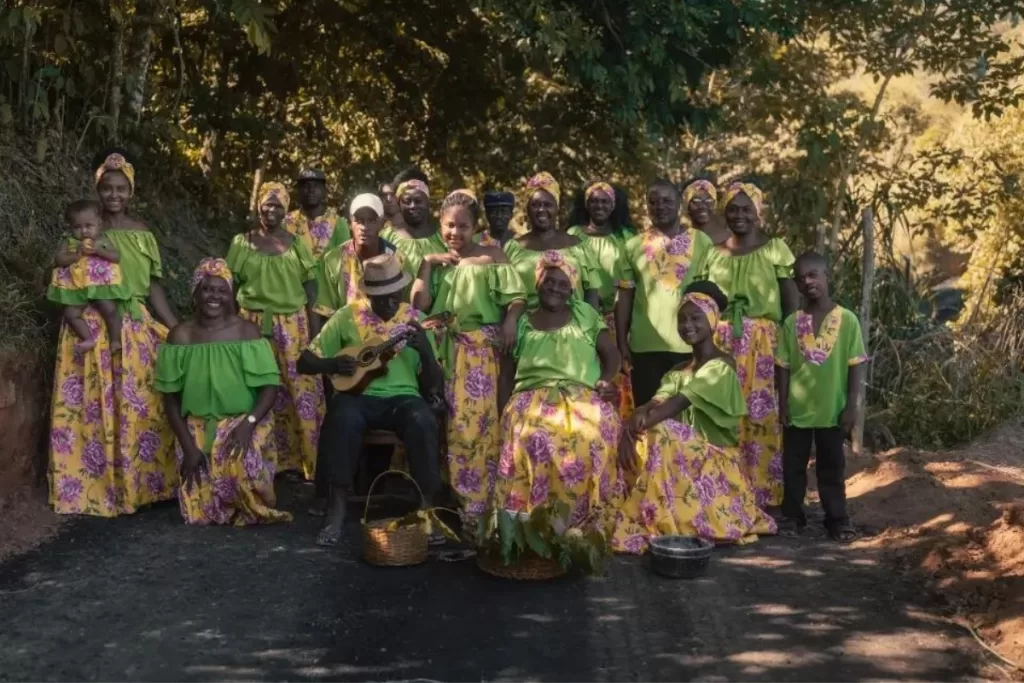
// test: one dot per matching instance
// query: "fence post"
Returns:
(867, 284)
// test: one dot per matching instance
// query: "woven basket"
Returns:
(529, 567)
(401, 547)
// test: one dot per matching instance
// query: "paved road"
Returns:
(146, 598)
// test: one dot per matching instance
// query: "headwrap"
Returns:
(698, 186)
(542, 181)
(468, 193)
(211, 267)
(602, 188)
(116, 162)
(752, 191)
(555, 259)
(706, 304)
(275, 190)
(412, 186)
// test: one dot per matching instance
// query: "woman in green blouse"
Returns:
(599, 225)
(682, 445)
(541, 201)
(111, 450)
(487, 296)
(276, 289)
(219, 379)
(559, 433)
(756, 273)
(418, 236)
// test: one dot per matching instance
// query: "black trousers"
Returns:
(649, 368)
(831, 468)
(349, 417)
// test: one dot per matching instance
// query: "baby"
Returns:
(88, 274)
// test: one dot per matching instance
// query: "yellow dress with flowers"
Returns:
(90, 278)
(477, 294)
(111, 448)
(559, 438)
(749, 332)
(271, 295)
(690, 482)
(218, 383)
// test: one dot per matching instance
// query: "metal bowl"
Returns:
(680, 557)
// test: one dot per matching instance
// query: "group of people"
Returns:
(668, 380)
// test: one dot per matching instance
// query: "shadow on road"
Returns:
(146, 598)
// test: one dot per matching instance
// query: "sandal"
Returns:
(456, 555)
(843, 534)
(436, 538)
(328, 537)
(790, 528)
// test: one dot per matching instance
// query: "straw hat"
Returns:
(383, 275)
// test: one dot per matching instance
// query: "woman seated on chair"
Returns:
(393, 401)
(559, 433)
(219, 378)
(683, 445)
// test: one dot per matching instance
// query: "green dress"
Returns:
(568, 355)
(140, 264)
(819, 363)
(661, 268)
(272, 283)
(477, 294)
(525, 262)
(216, 380)
(716, 400)
(609, 255)
(751, 281)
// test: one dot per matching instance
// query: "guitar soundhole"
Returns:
(366, 356)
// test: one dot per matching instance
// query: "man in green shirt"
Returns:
(393, 401)
(820, 365)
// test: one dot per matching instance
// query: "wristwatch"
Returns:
(251, 419)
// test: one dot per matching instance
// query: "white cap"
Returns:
(367, 201)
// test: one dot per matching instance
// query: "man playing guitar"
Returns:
(390, 401)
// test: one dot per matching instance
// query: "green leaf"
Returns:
(535, 540)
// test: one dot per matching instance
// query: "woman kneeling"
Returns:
(219, 378)
(558, 430)
(684, 445)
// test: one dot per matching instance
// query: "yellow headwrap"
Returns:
(706, 304)
(211, 267)
(603, 188)
(275, 190)
(116, 162)
(555, 259)
(752, 191)
(468, 193)
(543, 181)
(698, 186)
(413, 186)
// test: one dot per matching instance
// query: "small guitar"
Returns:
(372, 357)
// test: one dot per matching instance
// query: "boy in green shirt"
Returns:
(820, 367)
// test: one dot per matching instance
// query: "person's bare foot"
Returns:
(115, 346)
(85, 345)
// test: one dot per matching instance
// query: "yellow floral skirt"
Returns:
(236, 491)
(760, 431)
(560, 444)
(687, 486)
(299, 409)
(111, 448)
(623, 385)
(474, 435)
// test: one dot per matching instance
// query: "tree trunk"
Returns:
(257, 180)
(867, 283)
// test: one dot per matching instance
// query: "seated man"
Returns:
(391, 401)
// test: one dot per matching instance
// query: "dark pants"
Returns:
(830, 465)
(649, 368)
(350, 417)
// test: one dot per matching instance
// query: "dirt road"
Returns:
(146, 598)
